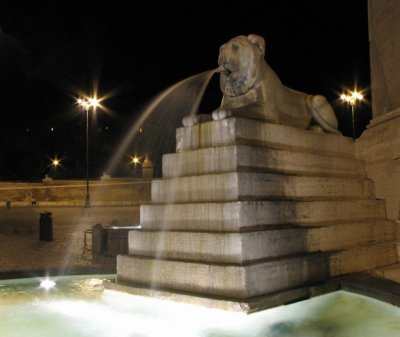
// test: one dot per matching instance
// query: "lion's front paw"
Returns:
(195, 119)
(221, 113)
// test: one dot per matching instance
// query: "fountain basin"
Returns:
(80, 306)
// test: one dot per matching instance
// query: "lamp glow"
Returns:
(55, 162)
(135, 160)
(352, 99)
(93, 102)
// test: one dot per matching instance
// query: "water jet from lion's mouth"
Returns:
(159, 120)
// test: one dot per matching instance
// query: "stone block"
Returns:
(381, 129)
(379, 147)
(391, 272)
(347, 235)
(246, 215)
(249, 186)
(238, 131)
(241, 248)
(235, 248)
(382, 150)
(380, 141)
(223, 280)
(362, 258)
(235, 158)
(246, 306)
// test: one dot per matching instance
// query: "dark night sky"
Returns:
(51, 51)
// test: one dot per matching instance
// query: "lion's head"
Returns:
(240, 57)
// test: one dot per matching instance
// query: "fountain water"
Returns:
(153, 131)
(79, 306)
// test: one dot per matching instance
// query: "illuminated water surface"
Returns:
(79, 306)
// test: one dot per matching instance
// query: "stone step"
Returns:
(239, 248)
(391, 272)
(242, 158)
(235, 248)
(256, 279)
(346, 235)
(378, 137)
(239, 131)
(257, 186)
(231, 281)
(387, 149)
(246, 215)
(362, 258)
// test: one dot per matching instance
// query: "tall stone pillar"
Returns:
(384, 37)
(379, 145)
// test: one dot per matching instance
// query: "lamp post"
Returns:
(86, 104)
(55, 163)
(352, 99)
(135, 160)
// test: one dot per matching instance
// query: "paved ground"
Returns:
(22, 250)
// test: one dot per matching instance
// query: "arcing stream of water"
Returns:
(153, 132)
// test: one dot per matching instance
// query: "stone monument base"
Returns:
(250, 215)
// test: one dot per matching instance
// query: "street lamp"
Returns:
(352, 99)
(86, 104)
(55, 162)
(135, 160)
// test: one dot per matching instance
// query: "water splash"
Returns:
(81, 307)
(153, 133)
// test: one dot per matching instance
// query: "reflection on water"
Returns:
(29, 289)
(79, 306)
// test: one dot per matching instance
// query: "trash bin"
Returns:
(99, 239)
(8, 204)
(46, 227)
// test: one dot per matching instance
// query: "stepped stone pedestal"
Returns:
(250, 215)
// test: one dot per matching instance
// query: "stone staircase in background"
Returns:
(253, 215)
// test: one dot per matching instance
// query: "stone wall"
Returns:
(379, 146)
(72, 192)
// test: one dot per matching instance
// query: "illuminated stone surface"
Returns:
(247, 208)
(235, 131)
(242, 157)
(243, 186)
(245, 215)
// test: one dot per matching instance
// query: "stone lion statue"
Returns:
(251, 89)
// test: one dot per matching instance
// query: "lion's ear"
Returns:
(258, 41)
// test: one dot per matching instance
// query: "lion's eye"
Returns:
(235, 47)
